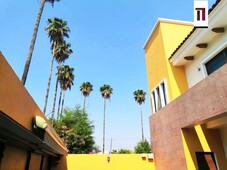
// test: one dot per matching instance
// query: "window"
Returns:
(159, 97)
(215, 63)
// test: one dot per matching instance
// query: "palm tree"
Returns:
(62, 52)
(139, 96)
(86, 89)
(106, 92)
(57, 30)
(66, 77)
(34, 35)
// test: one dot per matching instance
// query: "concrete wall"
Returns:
(175, 136)
(117, 162)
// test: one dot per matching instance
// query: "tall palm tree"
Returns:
(139, 96)
(86, 89)
(34, 35)
(106, 92)
(66, 77)
(62, 51)
(57, 31)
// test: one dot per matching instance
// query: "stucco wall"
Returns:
(165, 38)
(195, 71)
(117, 162)
(17, 104)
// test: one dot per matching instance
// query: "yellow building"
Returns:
(163, 83)
(187, 73)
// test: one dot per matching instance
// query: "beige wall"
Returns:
(191, 68)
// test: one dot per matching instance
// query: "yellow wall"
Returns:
(164, 40)
(200, 139)
(117, 162)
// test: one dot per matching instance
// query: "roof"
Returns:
(193, 30)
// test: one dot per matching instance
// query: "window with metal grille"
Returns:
(159, 97)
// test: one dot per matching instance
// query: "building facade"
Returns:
(27, 139)
(187, 77)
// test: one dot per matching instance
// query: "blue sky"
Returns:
(107, 39)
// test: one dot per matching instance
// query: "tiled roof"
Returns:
(211, 9)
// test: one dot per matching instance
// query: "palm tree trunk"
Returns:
(32, 44)
(54, 102)
(104, 119)
(84, 103)
(142, 122)
(59, 104)
(48, 84)
(63, 100)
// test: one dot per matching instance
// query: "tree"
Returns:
(65, 76)
(124, 151)
(76, 130)
(32, 44)
(57, 31)
(139, 96)
(106, 92)
(143, 147)
(86, 89)
(62, 52)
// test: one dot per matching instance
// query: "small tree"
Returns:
(76, 130)
(124, 151)
(143, 147)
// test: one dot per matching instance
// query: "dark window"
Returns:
(215, 63)
(159, 97)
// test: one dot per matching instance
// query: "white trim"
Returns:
(152, 100)
(203, 35)
(164, 20)
(156, 99)
(161, 93)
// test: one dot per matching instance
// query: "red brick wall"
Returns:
(202, 102)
